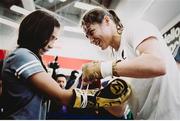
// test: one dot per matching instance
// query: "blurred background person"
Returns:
(57, 110)
(61, 80)
(54, 65)
(71, 80)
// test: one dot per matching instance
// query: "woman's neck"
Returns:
(116, 41)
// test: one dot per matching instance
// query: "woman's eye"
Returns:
(91, 32)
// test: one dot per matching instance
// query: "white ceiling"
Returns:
(159, 12)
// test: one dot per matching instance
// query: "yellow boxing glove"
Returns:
(114, 94)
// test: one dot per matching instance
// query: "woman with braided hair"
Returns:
(141, 55)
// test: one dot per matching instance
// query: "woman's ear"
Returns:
(106, 19)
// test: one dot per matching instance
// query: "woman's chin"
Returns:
(103, 48)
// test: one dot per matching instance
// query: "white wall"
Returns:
(128, 9)
(158, 12)
(78, 48)
(8, 37)
(161, 12)
(170, 24)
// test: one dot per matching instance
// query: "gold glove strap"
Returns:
(114, 68)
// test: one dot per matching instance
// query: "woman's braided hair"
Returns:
(96, 15)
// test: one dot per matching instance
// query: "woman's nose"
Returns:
(91, 40)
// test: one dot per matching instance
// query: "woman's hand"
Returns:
(91, 71)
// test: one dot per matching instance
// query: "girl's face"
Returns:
(52, 39)
(100, 34)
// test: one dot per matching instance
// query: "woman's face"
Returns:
(100, 34)
(52, 39)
